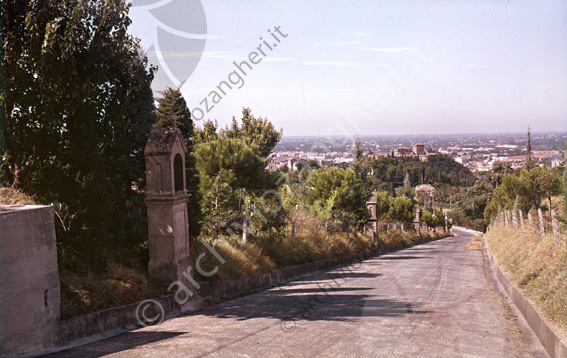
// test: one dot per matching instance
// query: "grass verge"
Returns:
(536, 266)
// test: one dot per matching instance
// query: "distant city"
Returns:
(478, 152)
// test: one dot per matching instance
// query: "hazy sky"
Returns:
(366, 67)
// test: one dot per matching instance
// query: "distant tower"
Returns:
(419, 149)
(166, 199)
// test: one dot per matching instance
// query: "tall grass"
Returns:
(9, 196)
(313, 242)
(536, 265)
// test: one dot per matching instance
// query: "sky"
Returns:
(364, 67)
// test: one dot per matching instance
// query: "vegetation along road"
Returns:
(431, 300)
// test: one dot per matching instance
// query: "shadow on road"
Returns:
(405, 257)
(116, 344)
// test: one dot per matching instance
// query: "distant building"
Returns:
(419, 149)
(403, 152)
(425, 188)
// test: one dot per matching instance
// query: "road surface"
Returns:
(431, 300)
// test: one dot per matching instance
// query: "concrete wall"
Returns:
(29, 279)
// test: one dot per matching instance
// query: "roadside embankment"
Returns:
(533, 272)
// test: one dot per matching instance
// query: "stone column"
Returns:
(372, 218)
(166, 200)
(416, 222)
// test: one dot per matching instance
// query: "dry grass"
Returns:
(536, 265)
(262, 254)
(125, 280)
(9, 196)
(475, 244)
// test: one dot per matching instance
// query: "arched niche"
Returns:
(178, 173)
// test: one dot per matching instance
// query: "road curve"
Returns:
(431, 300)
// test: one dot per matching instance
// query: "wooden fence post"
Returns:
(555, 227)
(541, 227)
(522, 219)
(293, 228)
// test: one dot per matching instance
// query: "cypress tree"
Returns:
(172, 105)
(528, 162)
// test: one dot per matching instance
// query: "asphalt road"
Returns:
(431, 300)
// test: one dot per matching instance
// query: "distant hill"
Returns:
(439, 169)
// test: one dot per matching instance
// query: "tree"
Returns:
(357, 151)
(528, 162)
(207, 133)
(172, 106)
(231, 173)
(336, 194)
(546, 182)
(78, 108)
(383, 204)
(469, 208)
(259, 131)
(236, 156)
(521, 185)
(401, 209)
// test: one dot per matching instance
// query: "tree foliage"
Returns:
(521, 186)
(231, 172)
(439, 169)
(402, 210)
(258, 130)
(336, 194)
(172, 105)
(78, 108)
(469, 209)
(207, 133)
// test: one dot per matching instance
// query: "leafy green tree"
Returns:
(521, 185)
(401, 209)
(383, 205)
(230, 170)
(546, 182)
(237, 156)
(336, 194)
(207, 133)
(78, 108)
(433, 218)
(172, 106)
(469, 208)
(259, 131)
